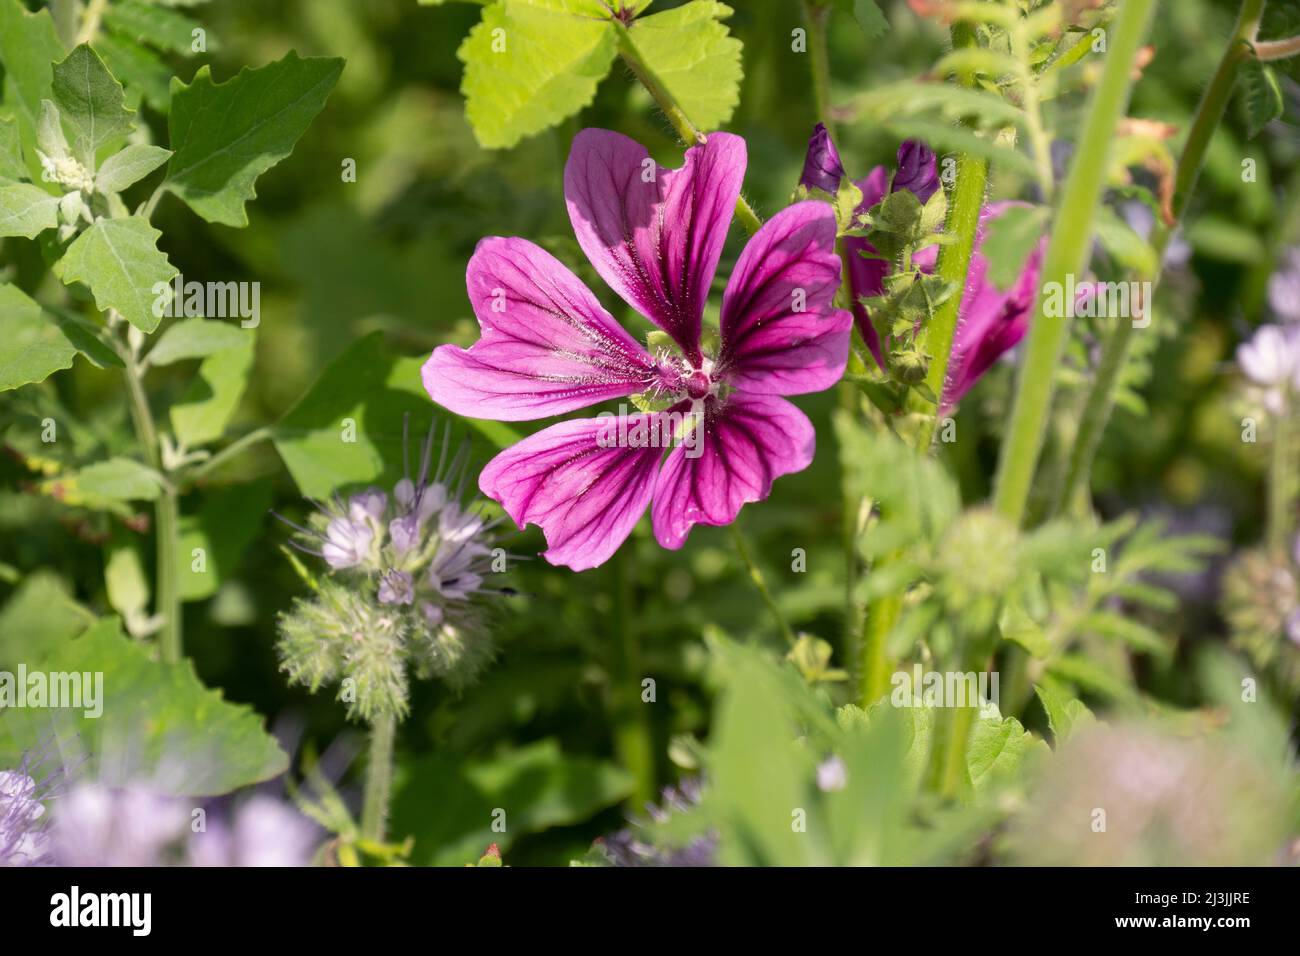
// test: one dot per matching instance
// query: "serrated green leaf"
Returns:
(120, 479)
(39, 616)
(531, 63)
(1009, 240)
(1261, 96)
(29, 44)
(694, 56)
(32, 346)
(119, 260)
(129, 166)
(158, 723)
(997, 748)
(263, 113)
(1065, 713)
(205, 408)
(91, 103)
(196, 338)
(27, 210)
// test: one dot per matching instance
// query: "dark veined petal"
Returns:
(548, 346)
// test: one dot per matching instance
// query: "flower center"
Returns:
(698, 385)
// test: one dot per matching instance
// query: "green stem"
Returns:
(379, 778)
(166, 513)
(1209, 114)
(90, 22)
(952, 734)
(1067, 255)
(816, 13)
(760, 583)
(954, 261)
(873, 654)
(231, 451)
(1279, 481)
(632, 737)
(686, 130)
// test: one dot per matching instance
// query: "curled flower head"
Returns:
(409, 572)
(548, 347)
(990, 321)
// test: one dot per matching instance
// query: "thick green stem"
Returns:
(1067, 255)
(379, 778)
(873, 654)
(632, 738)
(166, 514)
(1280, 480)
(688, 131)
(948, 774)
(964, 205)
(229, 453)
(1209, 114)
(816, 13)
(760, 583)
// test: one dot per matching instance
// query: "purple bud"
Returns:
(821, 167)
(916, 170)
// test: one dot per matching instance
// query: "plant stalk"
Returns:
(1280, 480)
(760, 583)
(632, 737)
(1066, 255)
(379, 778)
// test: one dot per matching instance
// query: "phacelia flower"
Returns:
(410, 571)
(548, 347)
(23, 841)
(990, 321)
(1271, 361)
(634, 846)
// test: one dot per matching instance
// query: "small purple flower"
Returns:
(548, 347)
(346, 542)
(832, 774)
(990, 321)
(1284, 287)
(821, 167)
(396, 587)
(262, 832)
(1271, 360)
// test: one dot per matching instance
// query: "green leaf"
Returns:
(347, 429)
(867, 14)
(1261, 96)
(1065, 713)
(263, 113)
(146, 77)
(120, 479)
(1129, 250)
(125, 579)
(531, 63)
(155, 25)
(33, 346)
(121, 263)
(694, 56)
(1009, 240)
(227, 521)
(205, 408)
(158, 722)
(997, 748)
(38, 617)
(91, 103)
(27, 210)
(129, 166)
(196, 338)
(28, 45)
(537, 785)
(12, 168)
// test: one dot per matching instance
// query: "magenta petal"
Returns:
(548, 347)
(748, 442)
(587, 498)
(990, 321)
(655, 234)
(780, 333)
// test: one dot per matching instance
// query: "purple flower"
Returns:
(346, 542)
(1284, 287)
(23, 841)
(548, 347)
(989, 322)
(1271, 360)
(396, 587)
(821, 167)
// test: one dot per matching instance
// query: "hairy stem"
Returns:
(91, 20)
(1066, 255)
(873, 655)
(816, 13)
(379, 778)
(760, 583)
(1266, 50)
(166, 512)
(1279, 480)
(230, 452)
(954, 261)
(686, 130)
(1209, 114)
